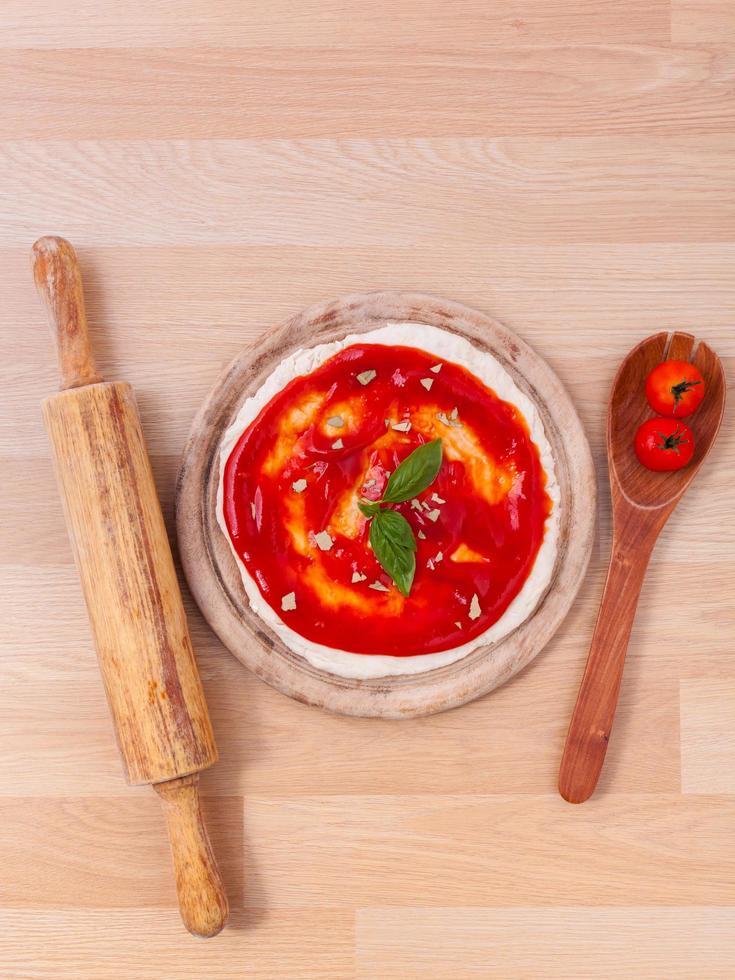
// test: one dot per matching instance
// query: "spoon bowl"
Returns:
(629, 408)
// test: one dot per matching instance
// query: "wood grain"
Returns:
(497, 943)
(707, 745)
(356, 24)
(566, 164)
(371, 93)
(695, 21)
(385, 850)
(143, 944)
(522, 190)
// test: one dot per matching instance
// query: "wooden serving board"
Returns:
(215, 580)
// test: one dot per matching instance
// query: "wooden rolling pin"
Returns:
(130, 587)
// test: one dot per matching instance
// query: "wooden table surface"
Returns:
(565, 165)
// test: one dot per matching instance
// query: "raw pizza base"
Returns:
(212, 572)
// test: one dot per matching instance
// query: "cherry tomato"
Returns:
(664, 444)
(674, 389)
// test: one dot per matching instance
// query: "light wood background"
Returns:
(565, 165)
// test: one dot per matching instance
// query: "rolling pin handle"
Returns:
(59, 284)
(202, 898)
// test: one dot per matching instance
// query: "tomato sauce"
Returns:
(333, 437)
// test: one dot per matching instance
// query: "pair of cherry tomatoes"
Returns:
(674, 389)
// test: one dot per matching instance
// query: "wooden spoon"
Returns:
(641, 503)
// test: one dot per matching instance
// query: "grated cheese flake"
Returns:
(475, 610)
(324, 540)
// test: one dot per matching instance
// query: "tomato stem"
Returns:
(672, 442)
(680, 389)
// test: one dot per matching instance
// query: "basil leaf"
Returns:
(368, 508)
(415, 473)
(394, 545)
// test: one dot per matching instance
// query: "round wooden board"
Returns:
(213, 575)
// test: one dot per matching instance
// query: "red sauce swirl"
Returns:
(479, 526)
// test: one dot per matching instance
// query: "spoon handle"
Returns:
(589, 730)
